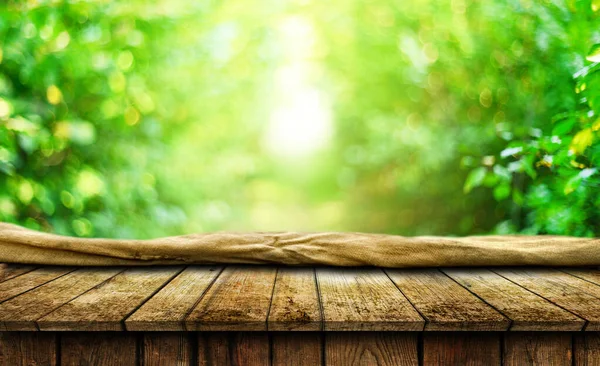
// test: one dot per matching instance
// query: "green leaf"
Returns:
(594, 54)
(474, 179)
(502, 192)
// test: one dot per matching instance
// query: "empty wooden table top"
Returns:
(260, 298)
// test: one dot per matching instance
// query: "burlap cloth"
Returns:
(20, 245)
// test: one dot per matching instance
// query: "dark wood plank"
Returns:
(107, 305)
(587, 349)
(297, 348)
(539, 348)
(445, 304)
(21, 312)
(239, 348)
(370, 348)
(27, 348)
(451, 348)
(574, 294)
(239, 299)
(167, 349)
(167, 309)
(98, 349)
(364, 299)
(295, 303)
(8, 271)
(527, 311)
(30, 280)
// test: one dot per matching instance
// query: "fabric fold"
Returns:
(20, 245)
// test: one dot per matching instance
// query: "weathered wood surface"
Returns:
(262, 298)
(445, 304)
(104, 307)
(527, 311)
(299, 348)
(295, 303)
(168, 309)
(364, 299)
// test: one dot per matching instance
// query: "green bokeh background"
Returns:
(143, 119)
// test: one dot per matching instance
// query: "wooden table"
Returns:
(256, 315)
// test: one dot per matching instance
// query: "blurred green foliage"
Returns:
(139, 119)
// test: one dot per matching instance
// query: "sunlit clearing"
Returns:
(300, 122)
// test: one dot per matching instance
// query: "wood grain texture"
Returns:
(445, 304)
(240, 349)
(167, 309)
(30, 280)
(98, 349)
(527, 311)
(238, 300)
(572, 293)
(106, 306)
(364, 299)
(8, 271)
(370, 348)
(538, 349)
(295, 302)
(21, 312)
(469, 349)
(27, 348)
(167, 349)
(297, 348)
(586, 348)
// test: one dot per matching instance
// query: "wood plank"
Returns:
(239, 348)
(451, 348)
(371, 348)
(27, 348)
(297, 348)
(586, 349)
(167, 309)
(295, 303)
(239, 299)
(8, 271)
(30, 280)
(569, 292)
(539, 348)
(102, 349)
(445, 304)
(167, 349)
(21, 312)
(527, 311)
(364, 299)
(107, 305)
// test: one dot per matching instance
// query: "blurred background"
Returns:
(135, 118)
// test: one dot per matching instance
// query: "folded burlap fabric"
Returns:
(20, 245)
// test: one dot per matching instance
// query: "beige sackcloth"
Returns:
(20, 245)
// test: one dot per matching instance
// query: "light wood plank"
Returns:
(8, 271)
(27, 348)
(527, 311)
(21, 312)
(445, 304)
(102, 349)
(295, 304)
(167, 309)
(364, 299)
(297, 349)
(239, 299)
(371, 348)
(167, 349)
(106, 306)
(586, 349)
(538, 348)
(574, 294)
(30, 280)
(451, 348)
(239, 348)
